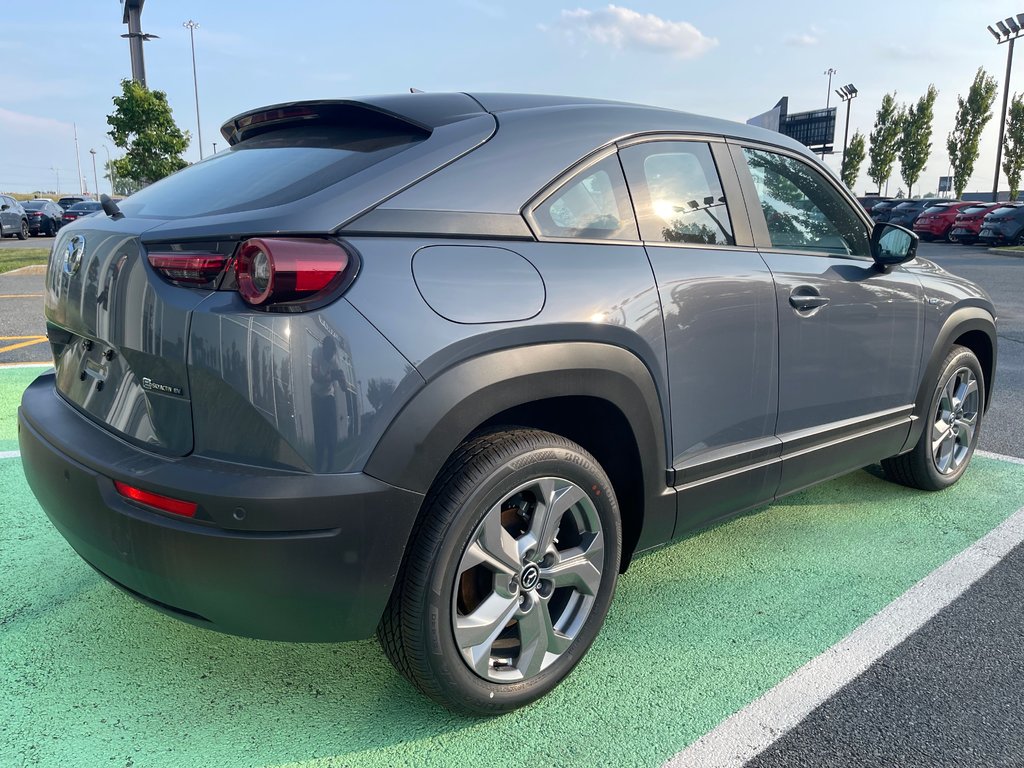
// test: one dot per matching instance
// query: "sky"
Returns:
(731, 60)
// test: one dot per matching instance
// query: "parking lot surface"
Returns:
(697, 631)
(89, 677)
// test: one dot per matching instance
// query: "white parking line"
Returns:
(10, 454)
(755, 727)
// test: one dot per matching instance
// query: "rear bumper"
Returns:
(313, 557)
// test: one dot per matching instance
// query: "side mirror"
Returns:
(892, 245)
(4, 207)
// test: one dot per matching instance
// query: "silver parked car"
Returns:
(440, 366)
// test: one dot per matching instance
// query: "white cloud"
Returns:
(804, 40)
(625, 28)
(19, 122)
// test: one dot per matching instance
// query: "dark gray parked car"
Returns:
(906, 213)
(439, 366)
(13, 219)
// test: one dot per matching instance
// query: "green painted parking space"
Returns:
(88, 677)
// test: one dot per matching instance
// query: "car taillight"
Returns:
(156, 500)
(192, 269)
(285, 273)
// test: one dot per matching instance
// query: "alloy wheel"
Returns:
(527, 580)
(955, 421)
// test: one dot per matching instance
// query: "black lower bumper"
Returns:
(271, 554)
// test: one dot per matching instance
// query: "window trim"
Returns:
(759, 226)
(741, 232)
(559, 181)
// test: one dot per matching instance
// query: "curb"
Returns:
(31, 269)
(1007, 252)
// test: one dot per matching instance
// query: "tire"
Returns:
(485, 564)
(23, 232)
(952, 425)
(950, 237)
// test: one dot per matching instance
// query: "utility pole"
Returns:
(828, 95)
(192, 26)
(95, 177)
(110, 170)
(136, 37)
(56, 170)
(78, 159)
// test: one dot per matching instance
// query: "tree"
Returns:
(853, 158)
(916, 141)
(885, 138)
(1013, 144)
(143, 126)
(972, 115)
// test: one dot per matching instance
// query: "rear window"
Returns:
(270, 169)
(34, 205)
(1000, 213)
(88, 205)
(906, 206)
(974, 209)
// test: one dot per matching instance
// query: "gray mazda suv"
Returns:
(438, 366)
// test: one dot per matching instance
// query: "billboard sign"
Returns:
(815, 129)
(945, 183)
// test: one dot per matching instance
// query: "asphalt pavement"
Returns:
(31, 242)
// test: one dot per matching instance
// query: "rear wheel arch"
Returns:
(597, 392)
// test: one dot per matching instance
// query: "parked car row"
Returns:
(954, 221)
(42, 216)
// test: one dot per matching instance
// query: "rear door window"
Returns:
(677, 193)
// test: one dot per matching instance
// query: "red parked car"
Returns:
(936, 222)
(967, 223)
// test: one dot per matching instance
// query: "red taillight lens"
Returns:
(157, 501)
(196, 270)
(277, 270)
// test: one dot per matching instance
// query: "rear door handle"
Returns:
(806, 298)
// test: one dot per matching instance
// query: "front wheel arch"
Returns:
(970, 327)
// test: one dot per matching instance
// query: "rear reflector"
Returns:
(155, 500)
(196, 270)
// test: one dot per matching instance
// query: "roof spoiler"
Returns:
(404, 112)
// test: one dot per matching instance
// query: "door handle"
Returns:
(806, 298)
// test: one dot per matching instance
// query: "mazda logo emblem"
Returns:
(73, 253)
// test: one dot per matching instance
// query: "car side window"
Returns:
(677, 193)
(592, 205)
(803, 210)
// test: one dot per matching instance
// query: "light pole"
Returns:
(95, 177)
(78, 159)
(1009, 30)
(110, 170)
(192, 26)
(828, 95)
(847, 93)
(56, 170)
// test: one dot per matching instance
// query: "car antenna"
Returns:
(110, 207)
(415, 90)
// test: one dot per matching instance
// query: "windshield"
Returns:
(268, 170)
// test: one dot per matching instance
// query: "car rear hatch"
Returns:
(119, 326)
(118, 334)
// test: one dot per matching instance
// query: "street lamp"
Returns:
(828, 95)
(847, 93)
(56, 170)
(192, 26)
(1008, 31)
(110, 169)
(95, 177)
